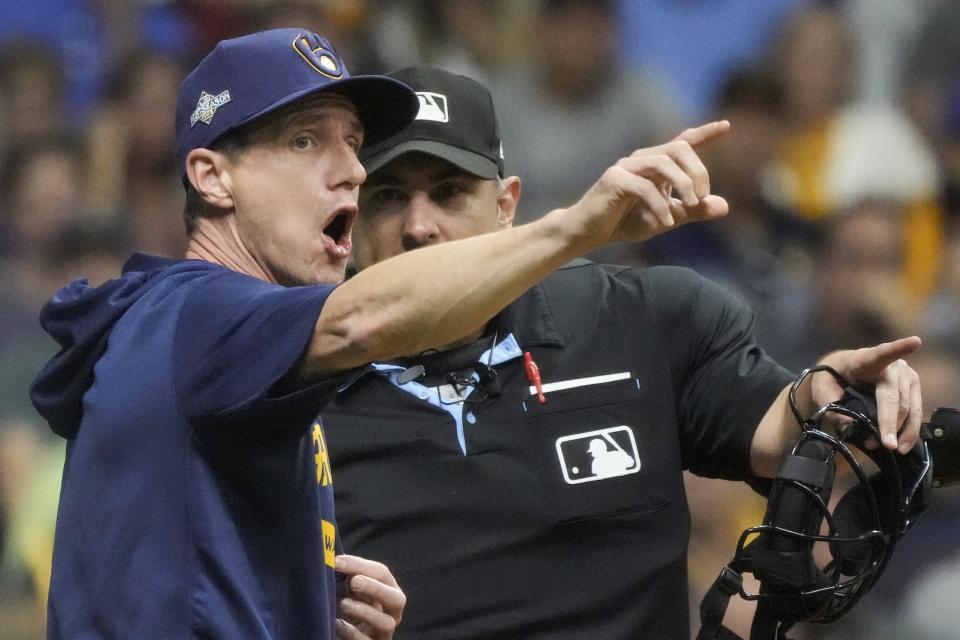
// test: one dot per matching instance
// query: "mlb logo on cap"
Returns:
(433, 106)
(246, 78)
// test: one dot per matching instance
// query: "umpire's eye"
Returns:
(388, 194)
(448, 191)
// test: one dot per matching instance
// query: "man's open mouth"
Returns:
(338, 229)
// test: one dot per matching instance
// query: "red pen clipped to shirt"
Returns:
(533, 375)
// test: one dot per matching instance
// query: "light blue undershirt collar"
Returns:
(446, 396)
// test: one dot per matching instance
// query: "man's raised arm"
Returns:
(435, 295)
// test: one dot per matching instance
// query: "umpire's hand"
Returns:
(374, 606)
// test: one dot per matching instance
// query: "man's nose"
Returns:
(420, 226)
(350, 172)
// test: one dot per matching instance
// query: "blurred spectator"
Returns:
(3, 521)
(4, 131)
(345, 23)
(693, 45)
(760, 252)
(132, 173)
(575, 109)
(838, 152)
(48, 228)
(882, 31)
(89, 36)
(466, 39)
(475, 38)
(215, 20)
(950, 155)
(931, 70)
(43, 188)
(30, 464)
(31, 83)
(941, 321)
(36, 471)
(857, 294)
(19, 612)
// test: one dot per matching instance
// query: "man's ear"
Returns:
(507, 200)
(208, 172)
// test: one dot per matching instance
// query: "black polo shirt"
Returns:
(504, 517)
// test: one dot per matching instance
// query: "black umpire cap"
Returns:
(456, 122)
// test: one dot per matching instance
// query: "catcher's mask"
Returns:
(858, 535)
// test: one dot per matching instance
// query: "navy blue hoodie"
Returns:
(197, 499)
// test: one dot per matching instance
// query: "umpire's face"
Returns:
(293, 190)
(418, 200)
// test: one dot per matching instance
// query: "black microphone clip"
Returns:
(488, 382)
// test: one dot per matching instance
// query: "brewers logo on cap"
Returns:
(319, 54)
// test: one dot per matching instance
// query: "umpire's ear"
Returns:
(207, 172)
(507, 199)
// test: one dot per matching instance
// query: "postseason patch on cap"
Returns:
(207, 107)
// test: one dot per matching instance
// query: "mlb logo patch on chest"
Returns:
(598, 455)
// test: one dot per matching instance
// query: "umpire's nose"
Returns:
(420, 223)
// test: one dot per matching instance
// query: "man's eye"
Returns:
(303, 142)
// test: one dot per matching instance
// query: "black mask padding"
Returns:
(852, 517)
(784, 564)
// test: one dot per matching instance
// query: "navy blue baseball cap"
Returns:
(248, 77)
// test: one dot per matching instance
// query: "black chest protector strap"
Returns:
(713, 608)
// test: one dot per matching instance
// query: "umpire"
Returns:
(526, 482)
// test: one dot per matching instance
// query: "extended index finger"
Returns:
(873, 360)
(695, 136)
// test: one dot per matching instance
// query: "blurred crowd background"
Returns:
(842, 170)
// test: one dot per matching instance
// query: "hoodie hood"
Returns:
(80, 318)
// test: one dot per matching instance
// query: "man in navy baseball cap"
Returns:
(197, 500)
(246, 78)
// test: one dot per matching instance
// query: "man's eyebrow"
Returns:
(321, 112)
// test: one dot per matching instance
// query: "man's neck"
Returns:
(218, 241)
